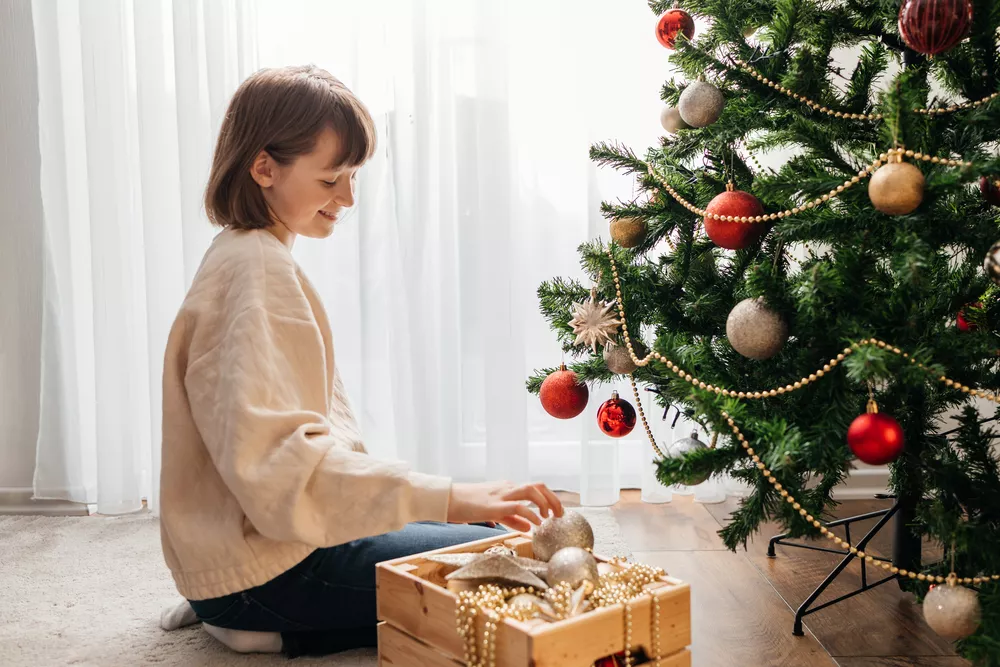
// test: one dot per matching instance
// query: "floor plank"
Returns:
(952, 661)
(880, 622)
(743, 603)
(736, 618)
(682, 525)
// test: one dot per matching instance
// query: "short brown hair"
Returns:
(281, 111)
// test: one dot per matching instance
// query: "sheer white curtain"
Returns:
(481, 189)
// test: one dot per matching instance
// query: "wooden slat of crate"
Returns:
(398, 649)
(427, 611)
(601, 632)
(412, 598)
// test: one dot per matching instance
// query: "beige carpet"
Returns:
(88, 591)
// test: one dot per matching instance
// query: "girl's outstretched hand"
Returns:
(502, 502)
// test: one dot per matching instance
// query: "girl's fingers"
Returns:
(516, 523)
(532, 493)
(517, 509)
(554, 503)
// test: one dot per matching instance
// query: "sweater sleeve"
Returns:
(259, 399)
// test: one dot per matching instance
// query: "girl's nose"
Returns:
(344, 195)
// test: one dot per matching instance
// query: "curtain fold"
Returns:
(131, 96)
(481, 189)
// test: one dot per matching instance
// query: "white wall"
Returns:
(20, 249)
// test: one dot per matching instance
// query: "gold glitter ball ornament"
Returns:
(755, 330)
(569, 530)
(952, 611)
(629, 232)
(573, 566)
(896, 188)
(618, 359)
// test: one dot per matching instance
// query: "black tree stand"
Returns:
(905, 553)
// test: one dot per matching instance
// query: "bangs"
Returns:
(281, 111)
(354, 126)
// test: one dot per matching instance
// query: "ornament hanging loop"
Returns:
(952, 577)
(872, 408)
(730, 186)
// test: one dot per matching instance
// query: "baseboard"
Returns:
(558, 465)
(863, 482)
(19, 501)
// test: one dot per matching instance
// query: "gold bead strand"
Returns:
(746, 68)
(621, 311)
(798, 384)
(628, 632)
(832, 194)
(654, 621)
(645, 423)
(828, 533)
(800, 98)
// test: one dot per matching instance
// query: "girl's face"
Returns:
(307, 195)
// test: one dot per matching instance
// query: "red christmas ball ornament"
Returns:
(875, 438)
(616, 417)
(671, 23)
(734, 235)
(990, 191)
(563, 395)
(934, 26)
(963, 323)
(616, 660)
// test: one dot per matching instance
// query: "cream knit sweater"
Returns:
(262, 458)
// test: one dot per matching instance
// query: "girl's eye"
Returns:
(329, 184)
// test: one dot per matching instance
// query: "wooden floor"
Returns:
(743, 604)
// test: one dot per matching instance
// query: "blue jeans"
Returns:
(326, 603)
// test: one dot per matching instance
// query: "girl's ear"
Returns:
(263, 170)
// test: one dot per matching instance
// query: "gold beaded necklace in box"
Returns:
(622, 586)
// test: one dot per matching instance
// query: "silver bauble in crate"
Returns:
(569, 530)
(680, 448)
(952, 611)
(991, 264)
(670, 119)
(701, 104)
(572, 565)
(755, 330)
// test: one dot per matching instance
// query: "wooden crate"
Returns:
(418, 620)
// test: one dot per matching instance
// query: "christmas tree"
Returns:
(837, 307)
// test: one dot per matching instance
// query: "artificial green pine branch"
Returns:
(838, 273)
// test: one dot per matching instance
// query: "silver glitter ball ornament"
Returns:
(701, 104)
(670, 119)
(555, 533)
(681, 448)
(991, 264)
(572, 565)
(755, 330)
(952, 611)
